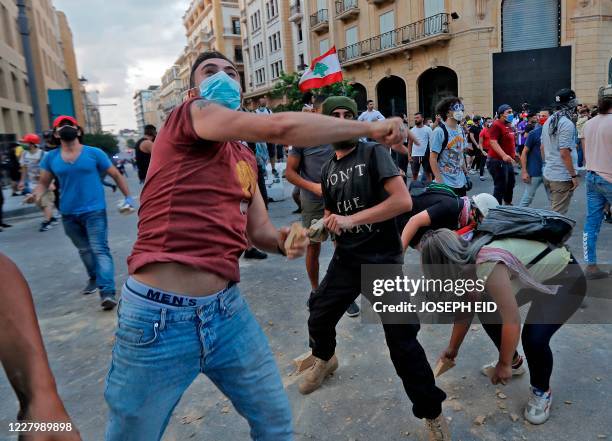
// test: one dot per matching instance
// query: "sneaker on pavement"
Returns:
(517, 368)
(316, 374)
(90, 288)
(254, 253)
(596, 274)
(437, 429)
(107, 301)
(353, 310)
(472, 171)
(538, 406)
(53, 221)
(483, 178)
(125, 208)
(45, 226)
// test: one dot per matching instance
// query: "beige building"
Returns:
(212, 25)
(70, 66)
(146, 107)
(16, 115)
(275, 40)
(406, 55)
(170, 94)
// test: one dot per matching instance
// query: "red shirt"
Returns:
(486, 138)
(194, 202)
(504, 136)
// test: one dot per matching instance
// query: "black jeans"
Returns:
(503, 179)
(339, 288)
(479, 161)
(546, 315)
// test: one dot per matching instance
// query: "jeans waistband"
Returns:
(135, 290)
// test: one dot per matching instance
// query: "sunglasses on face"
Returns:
(457, 107)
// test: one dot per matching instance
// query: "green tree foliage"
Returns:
(104, 141)
(131, 143)
(287, 86)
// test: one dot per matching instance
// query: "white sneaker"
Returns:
(126, 208)
(538, 406)
(516, 371)
(472, 171)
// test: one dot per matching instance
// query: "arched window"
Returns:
(530, 24)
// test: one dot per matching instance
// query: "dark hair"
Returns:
(604, 104)
(445, 104)
(369, 101)
(546, 109)
(476, 118)
(150, 130)
(201, 58)
(418, 113)
(318, 101)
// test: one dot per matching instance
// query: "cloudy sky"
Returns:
(124, 45)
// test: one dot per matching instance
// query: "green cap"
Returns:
(338, 102)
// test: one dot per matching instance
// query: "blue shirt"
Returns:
(450, 160)
(80, 185)
(534, 155)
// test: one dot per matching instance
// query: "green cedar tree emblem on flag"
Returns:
(320, 69)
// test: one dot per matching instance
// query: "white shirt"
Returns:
(263, 110)
(372, 116)
(423, 134)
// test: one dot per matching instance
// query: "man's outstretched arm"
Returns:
(302, 129)
(23, 355)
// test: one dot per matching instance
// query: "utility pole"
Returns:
(24, 30)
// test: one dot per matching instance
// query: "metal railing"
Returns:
(428, 27)
(345, 5)
(319, 17)
(231, 31)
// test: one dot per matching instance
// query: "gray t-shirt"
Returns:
(311, 162)
(554, 168)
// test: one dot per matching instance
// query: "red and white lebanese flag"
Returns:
(323, 71)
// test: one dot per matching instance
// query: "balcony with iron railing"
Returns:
(295, 13)
(347, 9)
(319, 21)
(231, 31)
(423, 32)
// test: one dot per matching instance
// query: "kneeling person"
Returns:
(363, 193)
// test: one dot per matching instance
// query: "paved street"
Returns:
(364, 400)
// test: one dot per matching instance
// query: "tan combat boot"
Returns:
(437, 429)
(316, 374)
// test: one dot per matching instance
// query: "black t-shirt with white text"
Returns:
(355, 183)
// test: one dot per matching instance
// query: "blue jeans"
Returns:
(598, 192)
(159, 351)
(89, 233)
(530, 191)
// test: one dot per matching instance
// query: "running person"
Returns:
(363, 192)
(77, 167)
(181, 310)
(555, 286)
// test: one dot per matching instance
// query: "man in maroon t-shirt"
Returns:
(500, 162)
(181, 311)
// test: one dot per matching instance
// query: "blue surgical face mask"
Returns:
(510, 118)
(221, 89)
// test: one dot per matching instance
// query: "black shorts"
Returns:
(275, 151)
(418, 161)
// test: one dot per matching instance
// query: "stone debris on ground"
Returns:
(514, 417)
(479, 420)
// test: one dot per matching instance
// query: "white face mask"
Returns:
(458, 115)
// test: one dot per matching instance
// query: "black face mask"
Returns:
(67, 133)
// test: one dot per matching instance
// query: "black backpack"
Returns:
(529, 223)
